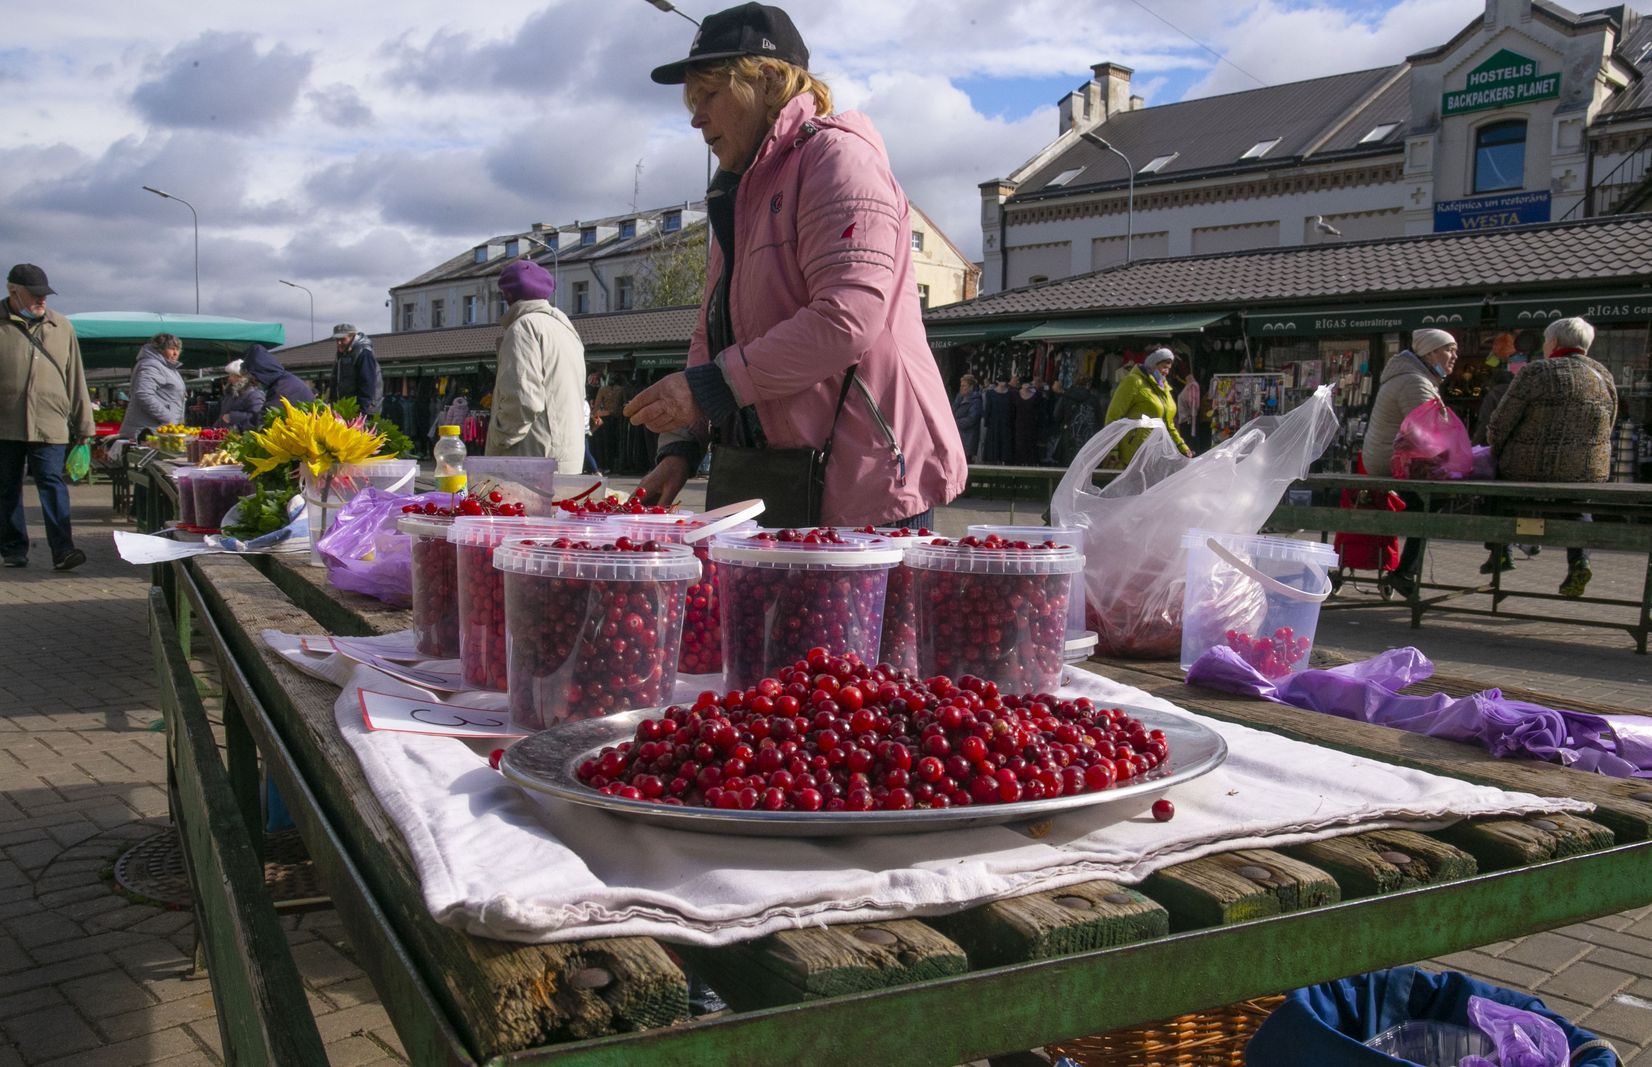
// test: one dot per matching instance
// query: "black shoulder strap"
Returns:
(35, 341)
(842, 396)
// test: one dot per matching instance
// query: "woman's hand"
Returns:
(668, 404)
(662, 484)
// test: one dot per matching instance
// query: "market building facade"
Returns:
(1530, 114)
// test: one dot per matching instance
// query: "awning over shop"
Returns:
(1121, 326)
(1364, 318)
(112, 338)
(945, 335)
(1608, 307)
(612, 355)
(661, 360)
(471, 367)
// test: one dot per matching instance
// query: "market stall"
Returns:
(1246, 915)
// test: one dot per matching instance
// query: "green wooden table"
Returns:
(942, 989)
(1526, 513)
(1021, 485)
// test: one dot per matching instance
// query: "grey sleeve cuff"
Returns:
(712, 392)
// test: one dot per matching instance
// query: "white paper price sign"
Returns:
(386, 711)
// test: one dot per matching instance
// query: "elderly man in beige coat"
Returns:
(539, 391)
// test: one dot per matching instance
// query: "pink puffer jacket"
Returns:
(823, 278)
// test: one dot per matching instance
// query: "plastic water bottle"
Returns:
(450, 461)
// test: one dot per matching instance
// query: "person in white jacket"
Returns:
(539, 391)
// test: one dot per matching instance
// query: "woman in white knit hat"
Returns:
(243, 405)
(1409, 380)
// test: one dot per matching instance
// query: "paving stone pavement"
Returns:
(89, 977)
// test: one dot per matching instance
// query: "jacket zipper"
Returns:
(888, 435)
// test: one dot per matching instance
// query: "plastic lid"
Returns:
(1079, 646)
(1061, 535)
(447, 431)
(535, 556)
(486, 531)
(425, 525)
(861, 551)
(219, 472)
(1063, 560)
(1284, 548)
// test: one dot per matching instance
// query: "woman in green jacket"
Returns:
(1146, 391)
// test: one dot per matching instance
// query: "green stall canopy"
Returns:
(112, 338)
(945, 335)
(1364, 318)
(1121, 326)
(1539, 311)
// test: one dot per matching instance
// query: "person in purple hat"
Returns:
(539, 391)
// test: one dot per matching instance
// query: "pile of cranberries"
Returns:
(492, 503)
(583, 504)
(829, 733)
(1005, 622)
(580, 646)
(1273, 656)
(773, 615)
(898, 645)
(435, 590)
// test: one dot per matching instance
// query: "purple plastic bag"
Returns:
(365, 553)
(1368, 691)
(1523, 1038)
(1431, 445)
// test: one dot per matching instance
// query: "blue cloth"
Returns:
(45, 464)
(1327, 1025)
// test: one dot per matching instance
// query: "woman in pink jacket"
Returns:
(810, 275)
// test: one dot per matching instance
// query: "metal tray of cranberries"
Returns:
(548, 762)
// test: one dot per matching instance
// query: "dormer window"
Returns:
(673, 221)
(511, 247)
(1064, 177)
(587, 236)
(1379, 132)
(1158, 163)
(1261, 148)
(628, 229)
(480, 255)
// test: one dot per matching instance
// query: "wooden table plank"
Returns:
(1057, 922)
(1500, 844)
(1238, 886)
(1385, 861)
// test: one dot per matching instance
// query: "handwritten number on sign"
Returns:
(452, 719)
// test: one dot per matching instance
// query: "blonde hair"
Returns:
(745, 76)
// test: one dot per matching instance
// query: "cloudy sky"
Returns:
(350, 147)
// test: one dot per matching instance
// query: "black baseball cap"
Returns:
(747, 30)
(31, 278)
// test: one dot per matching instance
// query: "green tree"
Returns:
(674, 273)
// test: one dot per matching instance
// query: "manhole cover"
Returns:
(154, 870)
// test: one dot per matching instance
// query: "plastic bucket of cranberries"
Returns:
(898, 644)
(785, 592)
(994, 608)
(481, 591)
(216, 490)
(1080, 642)
(186, 498)
(435, 584)
(1259, 596)
(591, 628)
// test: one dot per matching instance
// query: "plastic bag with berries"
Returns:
(365, 553)
(1135, 569)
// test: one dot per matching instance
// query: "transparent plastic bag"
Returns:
(1432, 445)
(365, 553)
(1135, 568)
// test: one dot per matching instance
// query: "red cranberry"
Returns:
(1163, 810)
(1273, 655)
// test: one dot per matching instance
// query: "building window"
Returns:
(923, 295)
(1064, 177)
(470, 311)
(582, 298)
(628, 229)
(407, 316)
(588, 236)
(512, 247)
(480, 255)
(1158, 163)
(1379, 132)
(1260, 149)
(438, 314)
(917, 240)
(1500, 156)
(673, 221)
(504, 306)
(622, 292)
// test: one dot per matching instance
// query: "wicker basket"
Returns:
(1214, 1038)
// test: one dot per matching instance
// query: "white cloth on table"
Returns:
(498, 861)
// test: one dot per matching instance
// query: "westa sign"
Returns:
(1506, 79)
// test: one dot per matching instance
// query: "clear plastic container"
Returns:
(1432, 1044)
(527, 480)
(997, 614)
(898, 644)
(780, 599)
(481, 588)
(326, 494)
(590, 632)
(1061, 535)
(435, 584)
(186, 497)
(216, 490)
(1259, 596)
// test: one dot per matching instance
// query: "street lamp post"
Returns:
(1130, 202)
(197, 220)
(666, 5)
(309, 294)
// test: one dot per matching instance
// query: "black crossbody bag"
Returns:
(790, 481)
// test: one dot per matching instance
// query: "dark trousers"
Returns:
(45, 464)
(1411, 551)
